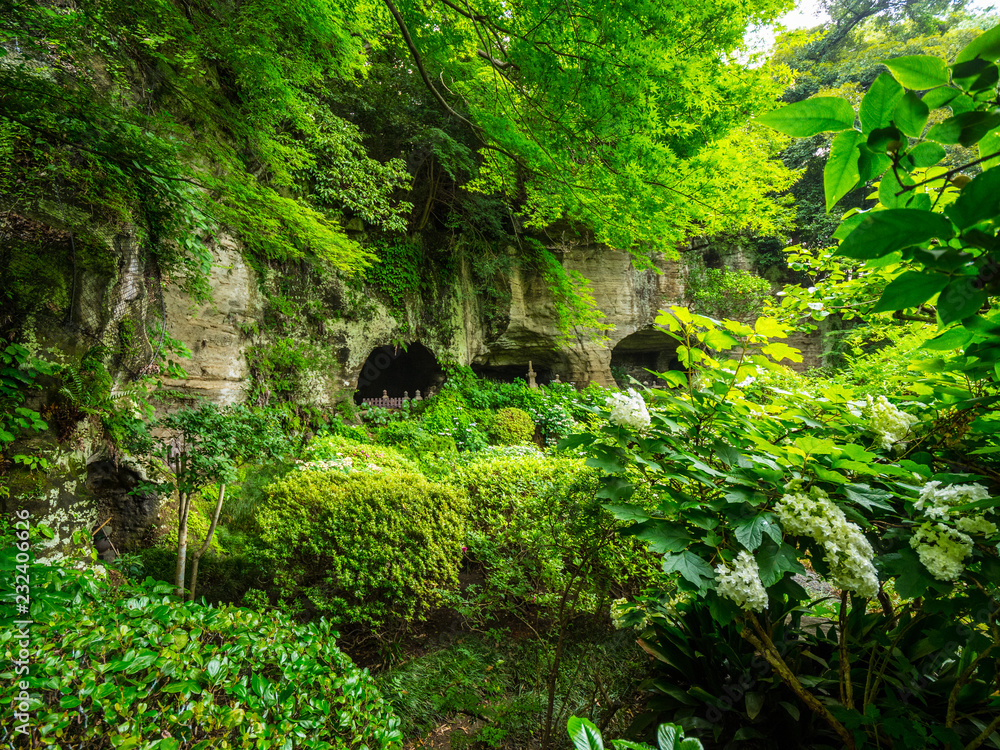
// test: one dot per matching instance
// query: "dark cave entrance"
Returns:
(512, 373)
(391, 369)
(648, 349)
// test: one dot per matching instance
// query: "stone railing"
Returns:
(391, 403)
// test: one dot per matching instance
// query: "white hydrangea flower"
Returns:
(889, 424)
(628, 410)
(848, 552)
(976, 525)
(936, 501)
(942, 550)
(742, 583)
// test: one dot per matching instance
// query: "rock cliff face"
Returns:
(335, 327)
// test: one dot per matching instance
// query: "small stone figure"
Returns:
(385, 395)
(557, 380)
(406, 395)
(418, 397)
(531, 376)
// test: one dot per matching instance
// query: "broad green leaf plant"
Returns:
(932, 234)
(758, 485)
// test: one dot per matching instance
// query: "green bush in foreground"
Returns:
(512, 426)
(365, 548)
(152, 672)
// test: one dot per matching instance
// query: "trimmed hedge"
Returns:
(151, 672)
(367, 548)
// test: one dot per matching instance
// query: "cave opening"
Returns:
(395, 370)
(637, 353)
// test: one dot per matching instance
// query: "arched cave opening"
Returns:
(391, 369)
(511, 373)
(648, 349)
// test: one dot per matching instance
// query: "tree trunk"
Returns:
(183, 508)
(208, 540)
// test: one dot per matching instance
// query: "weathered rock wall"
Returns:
(336, 325)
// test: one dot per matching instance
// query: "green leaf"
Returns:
(778, 351)
(940, 96)
(965, 128)
(880, 101)
(909, 290)
(662, 536)
(691, 567)
(890, 189)
(985, 46)
(815, 446)
(918, 71)
(960, 299)
(668, 735)
(925, 154)
(882, 232)
(885, 139)
(841, 174)
(754, 703)
(632, 513)
(978, 201)
(584, 734)
(774, 560)
(911, 115)
(870, 164)
(750, 532)
(989, 144)
(811, 116)
(954, 338)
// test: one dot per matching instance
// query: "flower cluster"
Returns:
(942, 550)
(345, 465)
(936, 501)
(848, 553)
(889, 424)
(742, 583)
(628, 411)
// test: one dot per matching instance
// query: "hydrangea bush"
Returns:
(756, 485)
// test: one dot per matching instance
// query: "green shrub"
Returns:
(449, 415)
(183, 676)
(402, 433)
(365, 548)
(536, 526)
(332, 447)
(512, 426)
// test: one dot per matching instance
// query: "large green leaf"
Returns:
(750, 532)
(584, 734)
(811, 116)
(882, 232)
(871, 165)
(663, 536)
(880, 102)
(965, 128)
(841, 174)
(774, 560)
(691, 567)
(940, 96)
(960, 299)
(989, 145)
(918, 71)
(978, 201)
(909, 290)
(985, 46)
(925, 154)
(911, 114)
